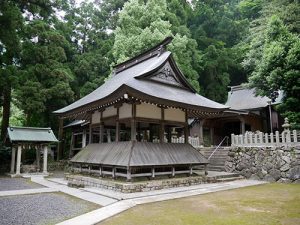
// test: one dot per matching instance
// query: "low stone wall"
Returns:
(281, 164)
(131, 187)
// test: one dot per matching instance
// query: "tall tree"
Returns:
(87, 32)
(278, 67)
(218, 28)
(142, 24)
(45, 80)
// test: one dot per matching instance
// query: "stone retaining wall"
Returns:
(130, 187)
(281, 164)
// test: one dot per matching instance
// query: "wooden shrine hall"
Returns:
(133, 116)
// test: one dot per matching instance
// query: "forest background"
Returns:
(53, 52)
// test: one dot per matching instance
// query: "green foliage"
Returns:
(217, 28)
(45, 80)
(143, 24)
(278, 67)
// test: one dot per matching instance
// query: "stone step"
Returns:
(230, 179)
(216, 168)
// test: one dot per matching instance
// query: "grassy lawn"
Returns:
(265, 204)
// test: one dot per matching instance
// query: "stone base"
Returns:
(131, 187)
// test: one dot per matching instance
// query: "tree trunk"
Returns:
(6, 111)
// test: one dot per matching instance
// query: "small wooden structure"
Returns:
(133, 117)
(29, 137)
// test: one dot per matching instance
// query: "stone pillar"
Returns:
(38, 156)
(13, 160)
(19, 154)
(45, 159)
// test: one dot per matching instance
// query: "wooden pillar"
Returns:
(212, 135)
(186, 129)
(90, 132)
(173, 171)
(133, 123)
(19, 154)
(108, 135)
(113, 174)
(117, 126)
(169, 136)
(72, 145)
(162, 126)
(128, 176)
(45, 159)
(13, 160)
(201, 123)
(191, 170)
(152, 172)
(60, 138)
(101, 128)
(242, 125)
(205, 169)
(101, 132)
(83, 144)
(38, 156)
(117, 131)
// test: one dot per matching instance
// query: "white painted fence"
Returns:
(194, 141)
(287, 138)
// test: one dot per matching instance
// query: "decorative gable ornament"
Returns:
(166, 75)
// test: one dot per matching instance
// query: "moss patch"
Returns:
(265, 204)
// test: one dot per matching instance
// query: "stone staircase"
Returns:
(217, 161)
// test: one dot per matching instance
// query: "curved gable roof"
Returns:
(144, 75)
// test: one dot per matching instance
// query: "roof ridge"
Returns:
(35, 128)
(156, 50)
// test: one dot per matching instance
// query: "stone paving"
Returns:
(8, 184)
(48, 208)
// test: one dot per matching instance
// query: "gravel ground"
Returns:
(41, 209)
(9, 184)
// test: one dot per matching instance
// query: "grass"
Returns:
(265, 204)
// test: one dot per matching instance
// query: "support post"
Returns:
(205, 169)
(38, 156)
(83, 144)
(128, 176)
(201, 123)
(108, 135)
(60, 138)
(101, 132)
(133, 123)
(212, 135)
(186, 129)
(152, 172)
(13, 160)
(173, 171)
(117, 131)
(71, 145)
(90, 132)
(45, 159)
(242, 125)
(191, 170)
(19, 153)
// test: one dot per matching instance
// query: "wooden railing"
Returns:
(194, 141)
(286, 138)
